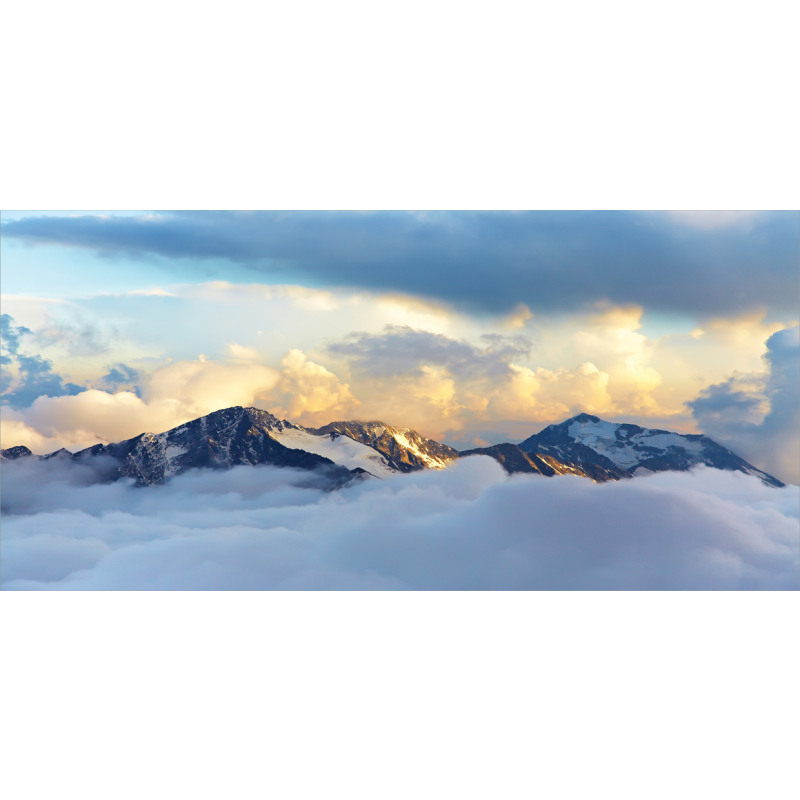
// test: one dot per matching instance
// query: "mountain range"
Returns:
(583, 445)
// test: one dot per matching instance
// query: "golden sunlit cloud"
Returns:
(518, 317)
(749, 331)
(240, 353)
(310, 393)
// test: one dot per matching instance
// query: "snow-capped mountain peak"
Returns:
(222, 439)
(633, 450)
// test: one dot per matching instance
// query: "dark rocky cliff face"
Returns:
(11, 453)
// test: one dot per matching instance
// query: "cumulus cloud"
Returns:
(310, 393)
(486, 261)
(611, 337)
(83, 419)
(758, 415)
(547, 395)
(401, 349)
(468, 527)
(203, 385)
(425, 380)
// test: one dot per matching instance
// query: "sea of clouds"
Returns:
(470, 526)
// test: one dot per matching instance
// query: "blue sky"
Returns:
(470, 326)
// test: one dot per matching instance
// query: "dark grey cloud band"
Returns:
(477, 261)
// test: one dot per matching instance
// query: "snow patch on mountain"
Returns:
(432, 461)
(607, 450)
(173, 451)
(340, 449)
(625, 448)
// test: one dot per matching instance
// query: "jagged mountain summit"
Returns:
(622, 450)
(222, 439)
(343, 451)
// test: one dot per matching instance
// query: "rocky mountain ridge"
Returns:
(343, 451)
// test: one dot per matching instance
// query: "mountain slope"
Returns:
(405, 449)
(623, 450)
(223, 439)
(341, 449)
(514, 459)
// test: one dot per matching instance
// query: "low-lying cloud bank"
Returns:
(468, 527)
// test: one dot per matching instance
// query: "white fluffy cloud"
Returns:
(468, 527)
(310, 393)
(82, 419)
